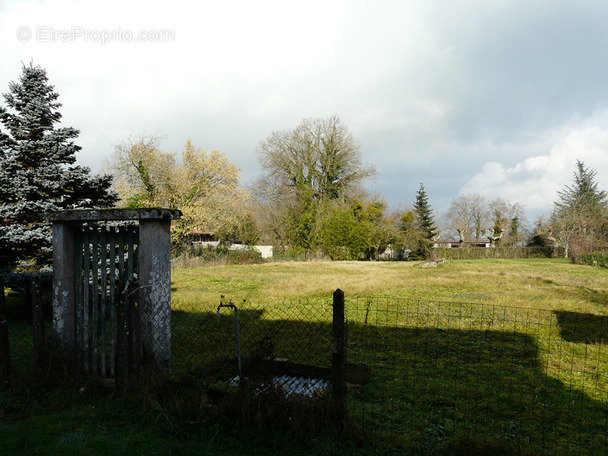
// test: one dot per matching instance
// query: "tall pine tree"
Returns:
(38, 174)
(426, 222)
(579, 216)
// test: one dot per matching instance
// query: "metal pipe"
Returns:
(238, 333)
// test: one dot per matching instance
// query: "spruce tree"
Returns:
(424, 214)
(38, 174)
(426, 222)
(579, 215)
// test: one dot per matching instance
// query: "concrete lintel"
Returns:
(99, 215)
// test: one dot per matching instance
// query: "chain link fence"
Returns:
(424, 376)
(234, 340)
(477, 377)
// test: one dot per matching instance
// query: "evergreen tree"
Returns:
(424, 214)
(426, 221)
(579, 215)
(38, 174)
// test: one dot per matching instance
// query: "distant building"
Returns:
(209, 239)
(452, 244)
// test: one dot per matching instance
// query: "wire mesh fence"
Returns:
(436, 374)
(448, 374)
(246, 339)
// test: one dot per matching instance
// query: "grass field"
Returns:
(538, 284)
(471, 357)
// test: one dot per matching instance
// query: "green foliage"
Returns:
(345, 233)
(426, 224)
(194, 256)
(579, 215)
(303, 222)
(38, 174)
(599, 259)
(503, 252)
(424, 214)
(307, 170)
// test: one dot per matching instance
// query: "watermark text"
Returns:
(74, 34)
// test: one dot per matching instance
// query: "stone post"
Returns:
(155, 291)
(63, 286)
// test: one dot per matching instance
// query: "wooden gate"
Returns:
(106, 267)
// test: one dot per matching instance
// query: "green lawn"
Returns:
(471, 357)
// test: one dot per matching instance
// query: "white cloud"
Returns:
(535, 181)
(431, 91)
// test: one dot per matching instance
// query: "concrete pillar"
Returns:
(155, 291)
(63, 286)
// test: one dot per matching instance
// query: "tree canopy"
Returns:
(38, 170)
(203, 185)
(426, 223)
(579, 214)
(319, 156)
(305, 168)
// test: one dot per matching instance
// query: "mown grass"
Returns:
(471, 357)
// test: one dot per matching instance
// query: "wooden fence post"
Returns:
(338, 360)
(37, 322)
(5, 352)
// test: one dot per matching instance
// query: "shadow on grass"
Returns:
(582, 327)
(432, 391)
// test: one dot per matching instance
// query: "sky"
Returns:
(493, 97)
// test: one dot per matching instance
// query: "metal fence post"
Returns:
(5, 352)
(338, 361)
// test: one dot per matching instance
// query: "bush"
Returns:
(480, 253)
(196, 256)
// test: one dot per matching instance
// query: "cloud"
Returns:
(432, 91)
(535, 181)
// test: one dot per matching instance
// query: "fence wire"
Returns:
(446, 373)
(440, 374)
(284, 342)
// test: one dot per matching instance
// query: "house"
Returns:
(203, 238)
(452, 244)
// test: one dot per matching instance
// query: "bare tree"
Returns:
(203, 185)
(508, 222)
(319, 155)
(468, 215)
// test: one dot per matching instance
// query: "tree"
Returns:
(346, 232)
(410, 234)
(203, 185)
(468, 215)
(426, 222)
(38, 171)
(319, 155)
(305, 168)
(142, 172)
(382, 229)
(579, 215)
(508, 219)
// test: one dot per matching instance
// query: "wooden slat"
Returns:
(121, 261)
(86, 299)
(78, 272)
(95, 300)
(105, 258)
(131, 257)
(103, 289)
(112, 241)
